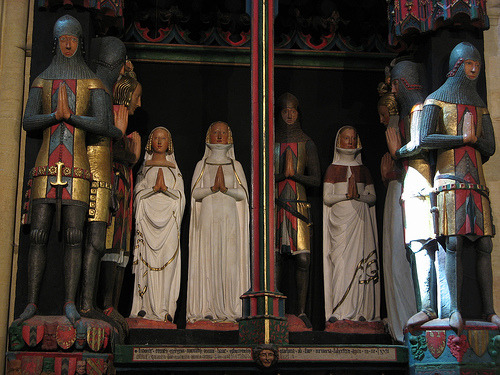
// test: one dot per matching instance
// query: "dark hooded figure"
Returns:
(66, 102)
(108, 61)
(296, 168)
(417, 177)
(456, 122)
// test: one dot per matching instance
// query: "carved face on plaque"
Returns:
(68, 45)
(266, 357)
(219, 133)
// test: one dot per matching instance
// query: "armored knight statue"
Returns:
(126, 152)
(296, 168)
(456, 123)
(398, 284)
(107, 64)
(66, 102)
(417, 184)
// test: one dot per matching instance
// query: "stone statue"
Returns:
(126, 152)
(417, 185)
(159, 206)
(296, 168)
(66, 102)
(398, 284)
(108, 62)
(219, 242)
(456, 122)
(350, 243)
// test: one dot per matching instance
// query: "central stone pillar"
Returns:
(264, 319)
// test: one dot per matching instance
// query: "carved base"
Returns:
(212, 326)
(435, 347)
(141, 323)
(259, 330)
(35, 363)
(295, 324)
(52, 333)
(351, 326)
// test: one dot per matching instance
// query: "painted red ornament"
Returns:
(32, 335)
(65, 336)
(436, 342)
(95, 338)
(458, 346)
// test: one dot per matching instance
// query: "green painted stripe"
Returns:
(331, 60)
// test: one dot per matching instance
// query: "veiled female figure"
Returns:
(219, 247)
(159, 205)
(349, 234)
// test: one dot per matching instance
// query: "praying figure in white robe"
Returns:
(219, 244)
(352, 289)
(159, 206)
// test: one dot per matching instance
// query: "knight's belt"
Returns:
(481, 189)
(100, 184)
(65, 171)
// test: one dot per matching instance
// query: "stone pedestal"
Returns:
(434, 348)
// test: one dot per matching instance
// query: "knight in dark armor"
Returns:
(66, 102)
(108, 62)
(456, 122)
(417, 175)
(296, 168)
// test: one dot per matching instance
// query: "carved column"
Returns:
(263, 307)
(14, 40)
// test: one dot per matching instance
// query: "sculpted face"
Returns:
(266, 357)
(219, 133)
(68, 45)
(395, 87)
(472, 69)
(348, 138)
(135, 102)
(383, 113)
(160, 141)
(289, 115)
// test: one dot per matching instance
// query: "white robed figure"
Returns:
(350, 249)
(219, 245)
(159, 206)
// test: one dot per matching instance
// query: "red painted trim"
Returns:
(255, 146)
(270, 121)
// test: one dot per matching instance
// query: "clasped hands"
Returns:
(352, 189)
(62, 112)
(160, 182)
(219, 183)
(289, 171)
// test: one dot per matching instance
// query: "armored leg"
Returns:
(422, 262)
(42, 215)
(484, 247)
(73, 223)
(454, 277)
(94, 249)
(302, 262)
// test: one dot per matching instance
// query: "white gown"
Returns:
(157, 258)
(219, 245)
(399, 292)
(350, 249)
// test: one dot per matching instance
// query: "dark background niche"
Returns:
(186, 98)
